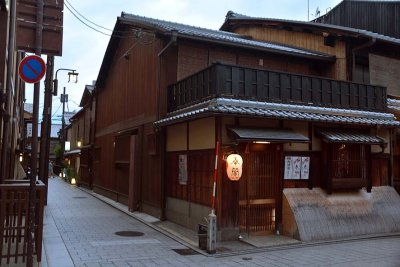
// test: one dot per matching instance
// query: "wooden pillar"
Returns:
(368, 160)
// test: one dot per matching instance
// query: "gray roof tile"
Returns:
(280, 111)
(227, 38)
(348, 136)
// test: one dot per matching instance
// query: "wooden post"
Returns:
(46, 126)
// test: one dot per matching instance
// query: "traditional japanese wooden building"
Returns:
(80, 135)
(167, 93)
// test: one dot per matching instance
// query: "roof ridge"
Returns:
(221, 36)
(232, 15)
(186, 25)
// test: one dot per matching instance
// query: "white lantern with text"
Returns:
(234, 163)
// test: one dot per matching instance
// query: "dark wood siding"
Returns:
(85, 177)
(200, 172)
(3, 49)
(377, 16)
(195, 57)
(130, 87)
(127, 104)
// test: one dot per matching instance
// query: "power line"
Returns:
(56, 111)
(86, 23)
(71, 6)
(74, 102)
(71, 9)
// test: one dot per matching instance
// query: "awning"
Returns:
(268, 134)
(72, 152)
(349, 136)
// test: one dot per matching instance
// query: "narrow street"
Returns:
(80, 231)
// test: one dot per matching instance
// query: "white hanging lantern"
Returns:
(234, 163)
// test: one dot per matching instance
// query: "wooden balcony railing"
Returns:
(220, 80)
(14, 221)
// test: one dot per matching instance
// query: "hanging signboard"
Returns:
(52, 28)
(182, 174)
(296, 167)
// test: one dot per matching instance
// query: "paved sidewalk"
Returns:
(80, 231)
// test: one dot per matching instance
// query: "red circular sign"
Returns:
(32, 69)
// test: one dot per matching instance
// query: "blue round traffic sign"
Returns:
(32, 69)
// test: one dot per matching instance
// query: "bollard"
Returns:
(212, 233)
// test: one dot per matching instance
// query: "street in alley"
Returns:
(80, 230)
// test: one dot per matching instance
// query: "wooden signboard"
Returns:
(52, 26)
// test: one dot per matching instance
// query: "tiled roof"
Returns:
(222, 37)
(280, 111)
(349, 136)
(393, 104)
(235, 16)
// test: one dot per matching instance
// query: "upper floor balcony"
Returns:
(230, 81)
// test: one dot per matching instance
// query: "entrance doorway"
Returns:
(260, 191)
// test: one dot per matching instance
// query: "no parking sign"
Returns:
(32, 69)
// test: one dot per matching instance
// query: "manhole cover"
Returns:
(79, 197)
(247, 258)
(185, 251)
(129, 233)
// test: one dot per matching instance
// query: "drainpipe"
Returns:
(174, 35)
(370, 43)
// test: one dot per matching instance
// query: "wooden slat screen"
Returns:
(243, 82)
(349, 161)
(14, 218)
(84, 175)
(121, 161)
(259, 189)
(200, 165)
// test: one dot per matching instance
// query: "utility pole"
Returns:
(72, 77)
(64, 98)
(46, 125)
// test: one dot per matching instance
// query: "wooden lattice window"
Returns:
(348, 161)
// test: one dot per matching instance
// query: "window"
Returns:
(348, 161)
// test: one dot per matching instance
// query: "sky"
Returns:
(84, 47)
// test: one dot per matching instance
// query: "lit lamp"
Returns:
(234, 163)
(73, 181)
(79, 143)
(67, 146)
(21, 157)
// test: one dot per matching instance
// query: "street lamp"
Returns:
(72, 77)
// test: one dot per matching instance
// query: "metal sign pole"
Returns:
(35, 122)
